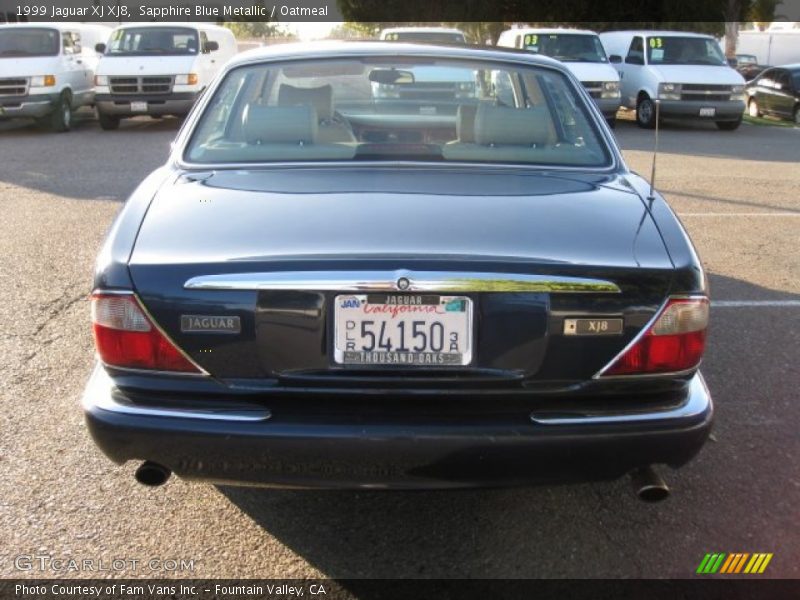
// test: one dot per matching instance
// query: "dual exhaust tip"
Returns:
(647, 484)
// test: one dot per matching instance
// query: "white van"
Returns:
(158, 69)
(686, 72)
(581, 52)
(47, 71)
(424, 35)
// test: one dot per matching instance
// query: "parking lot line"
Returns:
(746, 303)
(741, 214)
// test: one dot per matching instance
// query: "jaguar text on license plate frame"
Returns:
(403, 330)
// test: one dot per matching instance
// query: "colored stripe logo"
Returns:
(737, 562)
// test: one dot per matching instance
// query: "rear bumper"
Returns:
(251, 446)
(732, 110)
(33, 106)
(179, 103)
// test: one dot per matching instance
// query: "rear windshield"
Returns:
(391, 108)
(28, 41)
(671, 50)
(146, 41)
(566, 47)
(430, 37)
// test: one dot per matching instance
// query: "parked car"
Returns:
(487, 296)
(46, 71)
(748, 67)
(424, 35)
(158, 69)
(583, 54)
(686, 72)
(776, 92)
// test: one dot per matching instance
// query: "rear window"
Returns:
(155, 41)
(392, 108)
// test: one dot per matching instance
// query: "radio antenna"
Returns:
(652, 196)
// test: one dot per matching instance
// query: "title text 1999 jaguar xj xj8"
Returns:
(389, 265)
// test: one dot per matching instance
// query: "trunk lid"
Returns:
(355, 220)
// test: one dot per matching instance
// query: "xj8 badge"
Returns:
(210, 324)
(592, 326)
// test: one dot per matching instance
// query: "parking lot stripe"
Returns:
(741, 214)
(745, 303)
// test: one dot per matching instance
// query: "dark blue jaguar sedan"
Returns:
(381, 265)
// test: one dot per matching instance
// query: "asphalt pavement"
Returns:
(737, 193)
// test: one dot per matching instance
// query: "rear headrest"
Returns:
(286, 124)
(500, 125)
(321, 98)
(465, 123)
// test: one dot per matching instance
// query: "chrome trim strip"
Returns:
(699, 401)
(639, 336)
(100, 395)
(401, 280)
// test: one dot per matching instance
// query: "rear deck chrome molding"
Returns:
(699, 401)
(401, 280)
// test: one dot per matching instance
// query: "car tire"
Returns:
(108, 122)
(612, 122)
(752, 109)
(729, 125)
(60, 119)
(646, 113)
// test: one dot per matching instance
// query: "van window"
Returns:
(203, 42)
(429, 37)
(637, 49)
(674, 50)
(153, 41)
(28, 41)
(566, 47)
(71, 42)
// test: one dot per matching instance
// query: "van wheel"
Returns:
(752, 108)
(61, 118)
(645, 113)
(729, 125)
(108, 122)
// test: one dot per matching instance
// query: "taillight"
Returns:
(126, 337)
(674, 342)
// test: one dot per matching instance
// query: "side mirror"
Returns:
(210, 46)
(615, 59)
(100, 48)
(732, 62)
(634, 60)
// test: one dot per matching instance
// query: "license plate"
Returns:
(708, 112)
(408, 330)
(138, 106)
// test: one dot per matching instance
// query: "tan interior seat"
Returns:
(332, 129)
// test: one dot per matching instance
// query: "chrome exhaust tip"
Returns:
(152, 474)
(648, 485)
